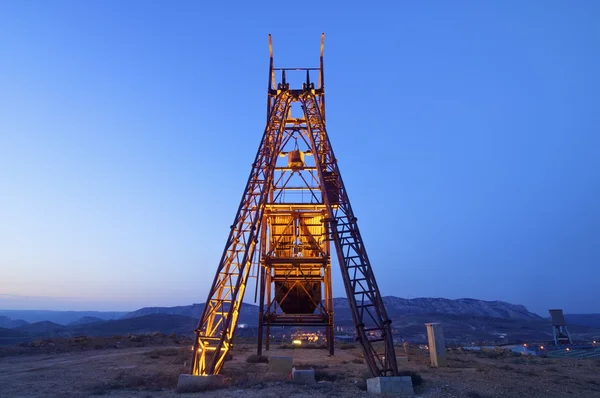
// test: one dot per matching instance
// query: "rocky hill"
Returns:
(465, 321)
(248, 312)
(22, 317)
(86, 319)
(8, 323)
(397, 306)
(193, 311)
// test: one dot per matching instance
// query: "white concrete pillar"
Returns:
(437, 348)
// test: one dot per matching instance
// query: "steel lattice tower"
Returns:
(294, 205)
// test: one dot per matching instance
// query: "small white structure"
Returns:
(303, 376)
(398, 385)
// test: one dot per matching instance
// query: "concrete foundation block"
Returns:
(303, 376)
(190, 383)
(281, 365)
(398, 385)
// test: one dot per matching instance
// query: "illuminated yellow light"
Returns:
(199, 349)
(297, 342)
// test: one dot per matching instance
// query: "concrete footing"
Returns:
(400, 386)
(281, 365)
(190, 383)
(303, 376)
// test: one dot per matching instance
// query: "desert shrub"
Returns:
(152, 381)
(242, 381)
(163, 352)
(80, 340)
(253, 358)
(461, 360)
(134, 338)
(323, 375)
(254, 380)
(475, 394)
(489, 354)
(416, 378)
(519, 361)
(507, 367)
(528, 373)
(361, 385)
(347, 346)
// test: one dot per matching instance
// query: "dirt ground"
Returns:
(149, 369)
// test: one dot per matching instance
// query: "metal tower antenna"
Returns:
(294, 205)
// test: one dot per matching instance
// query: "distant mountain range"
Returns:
(61, 317)
(395, 306)
(6, 322)
(464, 320)
(248, 312)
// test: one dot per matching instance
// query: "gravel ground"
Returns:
(151, 370)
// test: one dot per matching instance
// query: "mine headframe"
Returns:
(294, 205)
(560, 333)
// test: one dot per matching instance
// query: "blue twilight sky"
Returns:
(467, 133)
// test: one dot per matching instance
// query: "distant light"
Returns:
(525, 345)
(297, 342)
(568, 349)
(199, 349)
(594, 342)
(541, 347)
